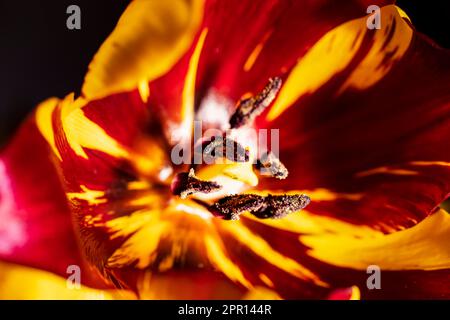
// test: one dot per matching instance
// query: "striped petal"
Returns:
(239, 46)
(36, 228)
(149, 38)
(372, 129)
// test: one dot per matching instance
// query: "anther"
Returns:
(228, 148)
(268, 207)
(276, 207)
(186, 184)
(248, 109)
(230, 207)
(269, 164)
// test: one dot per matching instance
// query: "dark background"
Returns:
(40, 57)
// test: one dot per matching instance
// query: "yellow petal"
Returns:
(149, 38)
(422, 247)
(24, 283)
(44, 114)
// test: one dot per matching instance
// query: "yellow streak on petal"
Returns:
(25, 283)
(336, 49)
(263, 249)
(386, 170)
(255, 53)
(138, 185)
(330, 55)
(147, 156)
(84, 133)
(356, 293)
(188, 96)
(148, 40)
(242, 171)
(146, 229)
(147, 199)
(253, 56)
(44, 114)
(93, 197)
(379, 61)
(422, 247)
(144, 90)
(233, 177)
(430, 163)
(218, 257)
(264, 278)
(403, 14)
(90, 221)
(307, 223)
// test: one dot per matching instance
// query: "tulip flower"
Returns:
(358, 182)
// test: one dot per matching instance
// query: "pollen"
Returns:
(248, 109)
(268, 207)
(186, 184)
(270, 165)
(228, 148)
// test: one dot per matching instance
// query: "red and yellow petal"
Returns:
(150, 37)
(36, 228)
(25, 283)
(238, 47)
(411, 261)
(372, 127)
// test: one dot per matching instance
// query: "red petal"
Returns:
(36, 228)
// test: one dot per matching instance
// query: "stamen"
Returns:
(227, 148)
(248, 109)
(230, 207)
(186, 184)
(276, 207)
(269, 164)
(269, 207)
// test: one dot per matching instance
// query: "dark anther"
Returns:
(269, 164)
(248, 109)
(276, 207)
(186, 184)
(228, 148)
(230, 207)
(269, 207)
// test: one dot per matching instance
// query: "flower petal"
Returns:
(375, 128)
(25, 283)
(150, 37)
(240, 45)
(414, 263)
(36, 227)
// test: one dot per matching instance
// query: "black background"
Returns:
(40, 57)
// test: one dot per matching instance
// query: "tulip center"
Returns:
(238, 160)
